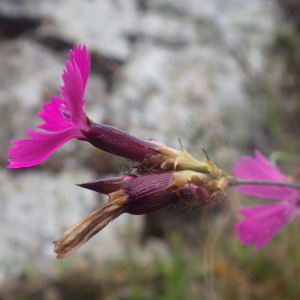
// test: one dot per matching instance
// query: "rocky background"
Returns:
(220, 75)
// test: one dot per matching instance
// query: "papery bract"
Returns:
(264, 221)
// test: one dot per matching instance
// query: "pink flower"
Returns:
(264, 221)
(64, 117)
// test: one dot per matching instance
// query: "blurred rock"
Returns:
(24, 8)
(37, 207)
(191, 71)
(102, 24)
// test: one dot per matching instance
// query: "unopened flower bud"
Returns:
(139, 195)
(108, 185)
(148, 193)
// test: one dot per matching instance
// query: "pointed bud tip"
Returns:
(108, 185)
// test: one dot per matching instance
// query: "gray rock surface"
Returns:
(177, 69)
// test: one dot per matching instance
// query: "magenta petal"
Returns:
(29, 152)
(75, 79)
(61, 114)
(261, 169)
(52, 115)
(72, 93)
(83, 60)
(258, 168)
(262, 222)
(64, 118)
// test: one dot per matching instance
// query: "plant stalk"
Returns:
(233, 181)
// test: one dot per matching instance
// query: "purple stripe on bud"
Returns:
(150, 192)
(108, 185)
(118, 142)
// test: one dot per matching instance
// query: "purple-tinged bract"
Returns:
(149, 192)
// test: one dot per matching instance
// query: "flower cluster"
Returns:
(264, 221)
(160, 176)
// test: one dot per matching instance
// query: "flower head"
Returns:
(264, 221)
(64, 117)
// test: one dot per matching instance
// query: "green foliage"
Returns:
(282, 91)
(218, 267)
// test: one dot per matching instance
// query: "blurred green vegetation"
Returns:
(215, 267)
(283, 92)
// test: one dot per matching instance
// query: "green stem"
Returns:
(238, 181)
